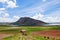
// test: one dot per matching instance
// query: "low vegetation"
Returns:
(18, 36)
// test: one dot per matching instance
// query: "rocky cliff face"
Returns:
(26, 21)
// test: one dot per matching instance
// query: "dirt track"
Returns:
(49, 33)
(3, 35)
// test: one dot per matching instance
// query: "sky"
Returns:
(44, 10)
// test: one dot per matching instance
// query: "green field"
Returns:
(18, 36)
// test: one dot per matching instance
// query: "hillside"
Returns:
(26, 21)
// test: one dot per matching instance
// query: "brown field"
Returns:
(48, 33)
(3, 35)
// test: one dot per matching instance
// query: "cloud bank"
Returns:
(4, 15)
(47, 11)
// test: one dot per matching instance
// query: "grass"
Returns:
(12, 38)
(29, 29)
(22, 37)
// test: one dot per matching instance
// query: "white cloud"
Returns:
(38, 16)
(2, 19)
(6, 15)
(11, 4)
(1, 12)
(8, 19)
(42, 7)
(1, 9)
(43, 0)
(3, 1)
(16, 17)
(55, 13)
(46, 18)
(15, 1)
(52, 17)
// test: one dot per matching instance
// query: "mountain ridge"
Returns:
(27, 21)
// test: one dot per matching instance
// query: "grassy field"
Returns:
(18, 36)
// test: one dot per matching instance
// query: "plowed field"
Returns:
(49, 33)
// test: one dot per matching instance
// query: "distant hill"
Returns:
(54, 23)
(26, 21)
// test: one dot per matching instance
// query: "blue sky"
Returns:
(45, 10)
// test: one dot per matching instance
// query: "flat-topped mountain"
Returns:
(26, 21)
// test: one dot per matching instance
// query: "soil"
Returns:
(48, 33)
(3, 35)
